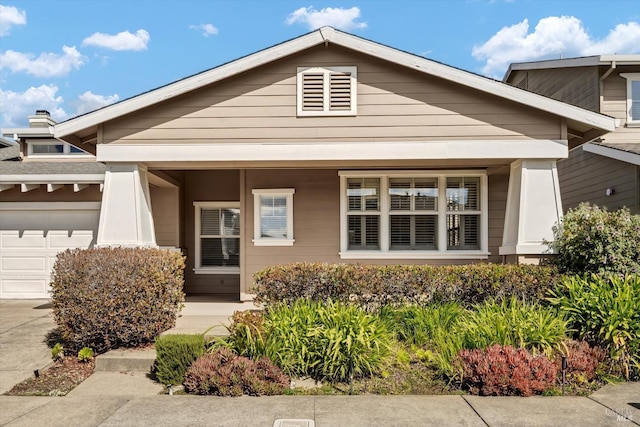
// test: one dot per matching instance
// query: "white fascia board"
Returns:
(329, 35)
(475, 81)
(495, 149)
(188, 84)
(49, 206)
(29, 132)
(624, 156)
(52, 179)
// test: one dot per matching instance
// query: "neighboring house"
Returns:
(327, 148)
(49, 201)
(605, 171)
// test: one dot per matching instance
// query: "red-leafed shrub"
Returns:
(582, 361)
(224, 373)
(116, 297)
(374, 286)
(505, 371)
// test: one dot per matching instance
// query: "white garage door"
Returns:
(31, 235)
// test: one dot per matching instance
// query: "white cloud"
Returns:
(121, 41)
(343, 19)
(553, 37)
(10, 16)
(207, 29)
(46, 65)
(90, 101)
(16, 106)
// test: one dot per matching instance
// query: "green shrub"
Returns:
(419, 325)
(246, 334)
(174, 355)
(592, 240)
(85, 354)
(515, 323)
(224, 373)
(606, 312)
(505, 371)
(326, 341)
(373, 286)
(115, 297)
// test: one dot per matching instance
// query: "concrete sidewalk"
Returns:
(612, 406)
(127, 398)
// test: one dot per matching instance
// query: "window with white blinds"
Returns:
(217, 236)
(326, 91)
(409, 213)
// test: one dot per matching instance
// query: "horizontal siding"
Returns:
(393, 103)
(317, 222)
(584, 177)
(577, 86)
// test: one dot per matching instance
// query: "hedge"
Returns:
(373, 286)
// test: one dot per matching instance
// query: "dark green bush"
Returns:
(373, 286)
(224, 373)
(593, 240)
(116, 297)
(174, 355)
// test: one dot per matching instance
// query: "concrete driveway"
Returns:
(23, 328)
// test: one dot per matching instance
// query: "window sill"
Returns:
(216, 270)
(414, 255)
(273, 242)
(634, 124)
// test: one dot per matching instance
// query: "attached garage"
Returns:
(32, 234)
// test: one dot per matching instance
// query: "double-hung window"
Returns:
(273, 217)
(633, 98)
(413, 214)
(217, 237)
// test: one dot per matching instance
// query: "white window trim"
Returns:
(258, 240)
(442, 252)
(353, 70)
(66, 150)
(211, 270)
(631, 77)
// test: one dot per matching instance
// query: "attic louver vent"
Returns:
(327, 91)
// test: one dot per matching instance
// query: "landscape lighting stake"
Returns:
(36, 373)
(564, 372)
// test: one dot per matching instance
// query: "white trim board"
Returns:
(493, 149)
(49, 206)
(53, 179)
(613, 153)
(329, 35)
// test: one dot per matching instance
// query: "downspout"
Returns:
(601, 83)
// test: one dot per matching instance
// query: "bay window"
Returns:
(413, 214)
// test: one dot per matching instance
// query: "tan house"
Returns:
(327, 148)
(605, 171)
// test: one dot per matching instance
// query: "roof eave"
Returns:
(326, 35)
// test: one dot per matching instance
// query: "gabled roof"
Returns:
(85, 127)
(583, 61)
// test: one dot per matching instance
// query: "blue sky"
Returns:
(73, 56)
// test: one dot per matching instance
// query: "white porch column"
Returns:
(533, 207)
(125, 217)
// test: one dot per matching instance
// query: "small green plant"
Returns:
(57, 352)
(174, 354)
(247, 334)
(419, 324)
(606, 312)
(85, 354)
(593, 240)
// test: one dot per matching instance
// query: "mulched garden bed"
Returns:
(58, 380)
